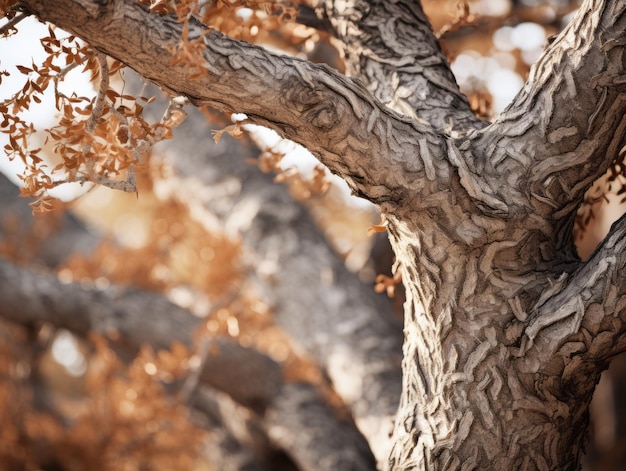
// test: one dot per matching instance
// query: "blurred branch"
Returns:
(298, 420)
(42, 238)
(348, 329)
(134, 318)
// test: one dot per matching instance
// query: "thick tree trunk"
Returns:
(506, 331)
(476, 391)
(506, 335)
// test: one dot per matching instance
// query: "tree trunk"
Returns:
(506, 330)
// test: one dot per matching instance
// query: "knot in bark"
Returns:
(318, 111)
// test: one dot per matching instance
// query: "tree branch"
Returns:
(33, 297)
(334, 117)
(583, 315)
(47, 238)
(132, 316)
(347, 328)
(9, 25)
(298, 422)
(392, 48)
(569, 121)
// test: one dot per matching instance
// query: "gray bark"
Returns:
(506, 330)
(338, 321)
(391, 47)
(335, 117)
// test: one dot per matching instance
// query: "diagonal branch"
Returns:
(583, 315)
(334, 117)
(10, 25)
(569, 121)
(33, 297)
(338, 320)
(392, 48)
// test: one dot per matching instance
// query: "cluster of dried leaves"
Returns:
(101, 138)
(300, 187)
(267, 22)
(265, 15)
(181, 252)
(98, 139)
(7, 8)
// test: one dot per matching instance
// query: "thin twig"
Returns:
(60, 76)
(12, 22)
(190, 385)
(128, 185)
(97, 111)
(102, 89)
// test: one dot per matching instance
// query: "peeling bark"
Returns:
(497, 364)
(335, 117)
(552, 141)
(391, 47)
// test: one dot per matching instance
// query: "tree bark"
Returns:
(501, 323)
(391, 47)
(335, 117)
(506, 330)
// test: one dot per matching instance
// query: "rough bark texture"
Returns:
(391, 47)
(506, 330)
(335, 117)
